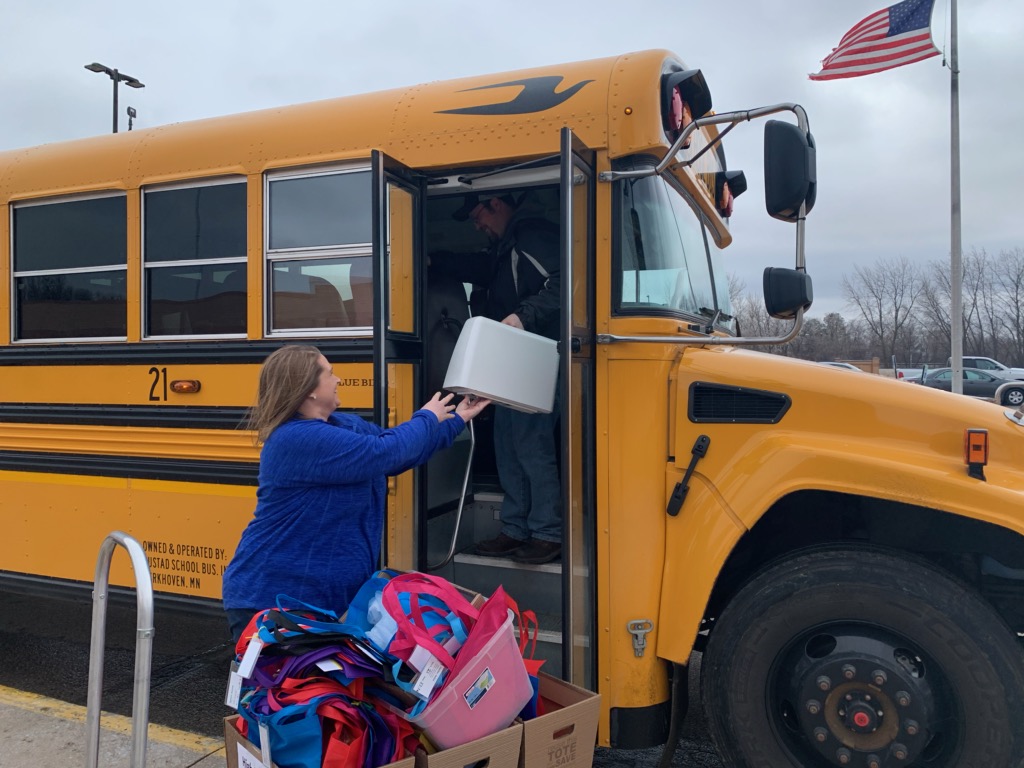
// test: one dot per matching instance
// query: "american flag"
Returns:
(892, 37)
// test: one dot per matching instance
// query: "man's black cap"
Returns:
(473, 199)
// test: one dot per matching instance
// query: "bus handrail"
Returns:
(143, 647)
(462, 503)
(734, 341)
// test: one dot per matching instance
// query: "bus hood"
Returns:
(861, 413)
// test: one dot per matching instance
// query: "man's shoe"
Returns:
(537, 551)
(500, 546)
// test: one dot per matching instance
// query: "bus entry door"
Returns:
(397, 336)
(576, 398)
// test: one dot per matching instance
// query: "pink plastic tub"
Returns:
(483, 698)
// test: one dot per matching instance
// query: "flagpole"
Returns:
(956, 310)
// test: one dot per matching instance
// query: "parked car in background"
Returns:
(912, 375)
(989, 365)
(844, 366)
(977, 383)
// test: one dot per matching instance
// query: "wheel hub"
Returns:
(858, 697)
(859, 715)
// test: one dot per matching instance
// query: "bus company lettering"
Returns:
(182, 565)
(356, 383)
(171, 580)
(179, 565)
(186, 550)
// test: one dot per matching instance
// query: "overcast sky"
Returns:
(883, 140)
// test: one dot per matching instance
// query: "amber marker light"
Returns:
(186, 386)
(628, 110)
(976, 452)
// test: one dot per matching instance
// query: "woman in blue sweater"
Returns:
(316, 532)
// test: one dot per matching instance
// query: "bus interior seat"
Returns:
(220, 305)
(328, 304)
(320, 306)
(360, 313)
(446, 312)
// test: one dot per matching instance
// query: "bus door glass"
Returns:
(397, 337)
(576, 396)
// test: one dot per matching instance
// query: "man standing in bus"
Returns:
(520, 275)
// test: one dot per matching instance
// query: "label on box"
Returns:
(246, 759)
(563, 753)
(481, 686)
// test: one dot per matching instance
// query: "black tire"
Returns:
(1013, 397)
(791, 672)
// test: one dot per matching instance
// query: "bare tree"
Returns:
(886, 296)
(1009, 282)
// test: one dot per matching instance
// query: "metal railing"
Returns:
(462, 503)
(143, 648)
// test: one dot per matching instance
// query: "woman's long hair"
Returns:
(287, 377)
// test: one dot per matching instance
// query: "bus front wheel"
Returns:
(861, 657)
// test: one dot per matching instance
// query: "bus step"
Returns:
(533, 587)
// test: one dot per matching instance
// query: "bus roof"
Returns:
(611, 103)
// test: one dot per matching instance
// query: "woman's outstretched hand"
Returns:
(440, 406)
(470, 406)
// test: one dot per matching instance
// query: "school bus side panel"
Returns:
(632, 445)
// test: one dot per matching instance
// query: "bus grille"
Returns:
(720, 404)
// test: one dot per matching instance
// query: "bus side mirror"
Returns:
(786, 291)
(790, 174)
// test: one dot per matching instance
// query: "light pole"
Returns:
(117, 77)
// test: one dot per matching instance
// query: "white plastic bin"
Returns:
(510, 366)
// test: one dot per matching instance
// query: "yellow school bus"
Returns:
(845, 552)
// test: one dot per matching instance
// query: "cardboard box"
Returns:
(242, 753)
(500, 750)
(565, 735)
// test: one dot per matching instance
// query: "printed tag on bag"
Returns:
(265, 744)
(234, 690)
(252, 653)
(329, 665)
(421, 658)
(427, 679)
(481, 686)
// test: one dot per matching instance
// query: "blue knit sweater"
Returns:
(316, 532)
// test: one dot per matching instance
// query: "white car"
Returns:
(844, 366)
(992, 366)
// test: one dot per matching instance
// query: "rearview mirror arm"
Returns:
(733, 118)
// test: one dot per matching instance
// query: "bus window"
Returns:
(195, 259)
(320, 211)
(322, 293)
(664, 258)
(319, 262)
(69, 268)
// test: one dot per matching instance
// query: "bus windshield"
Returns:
(667, 262)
